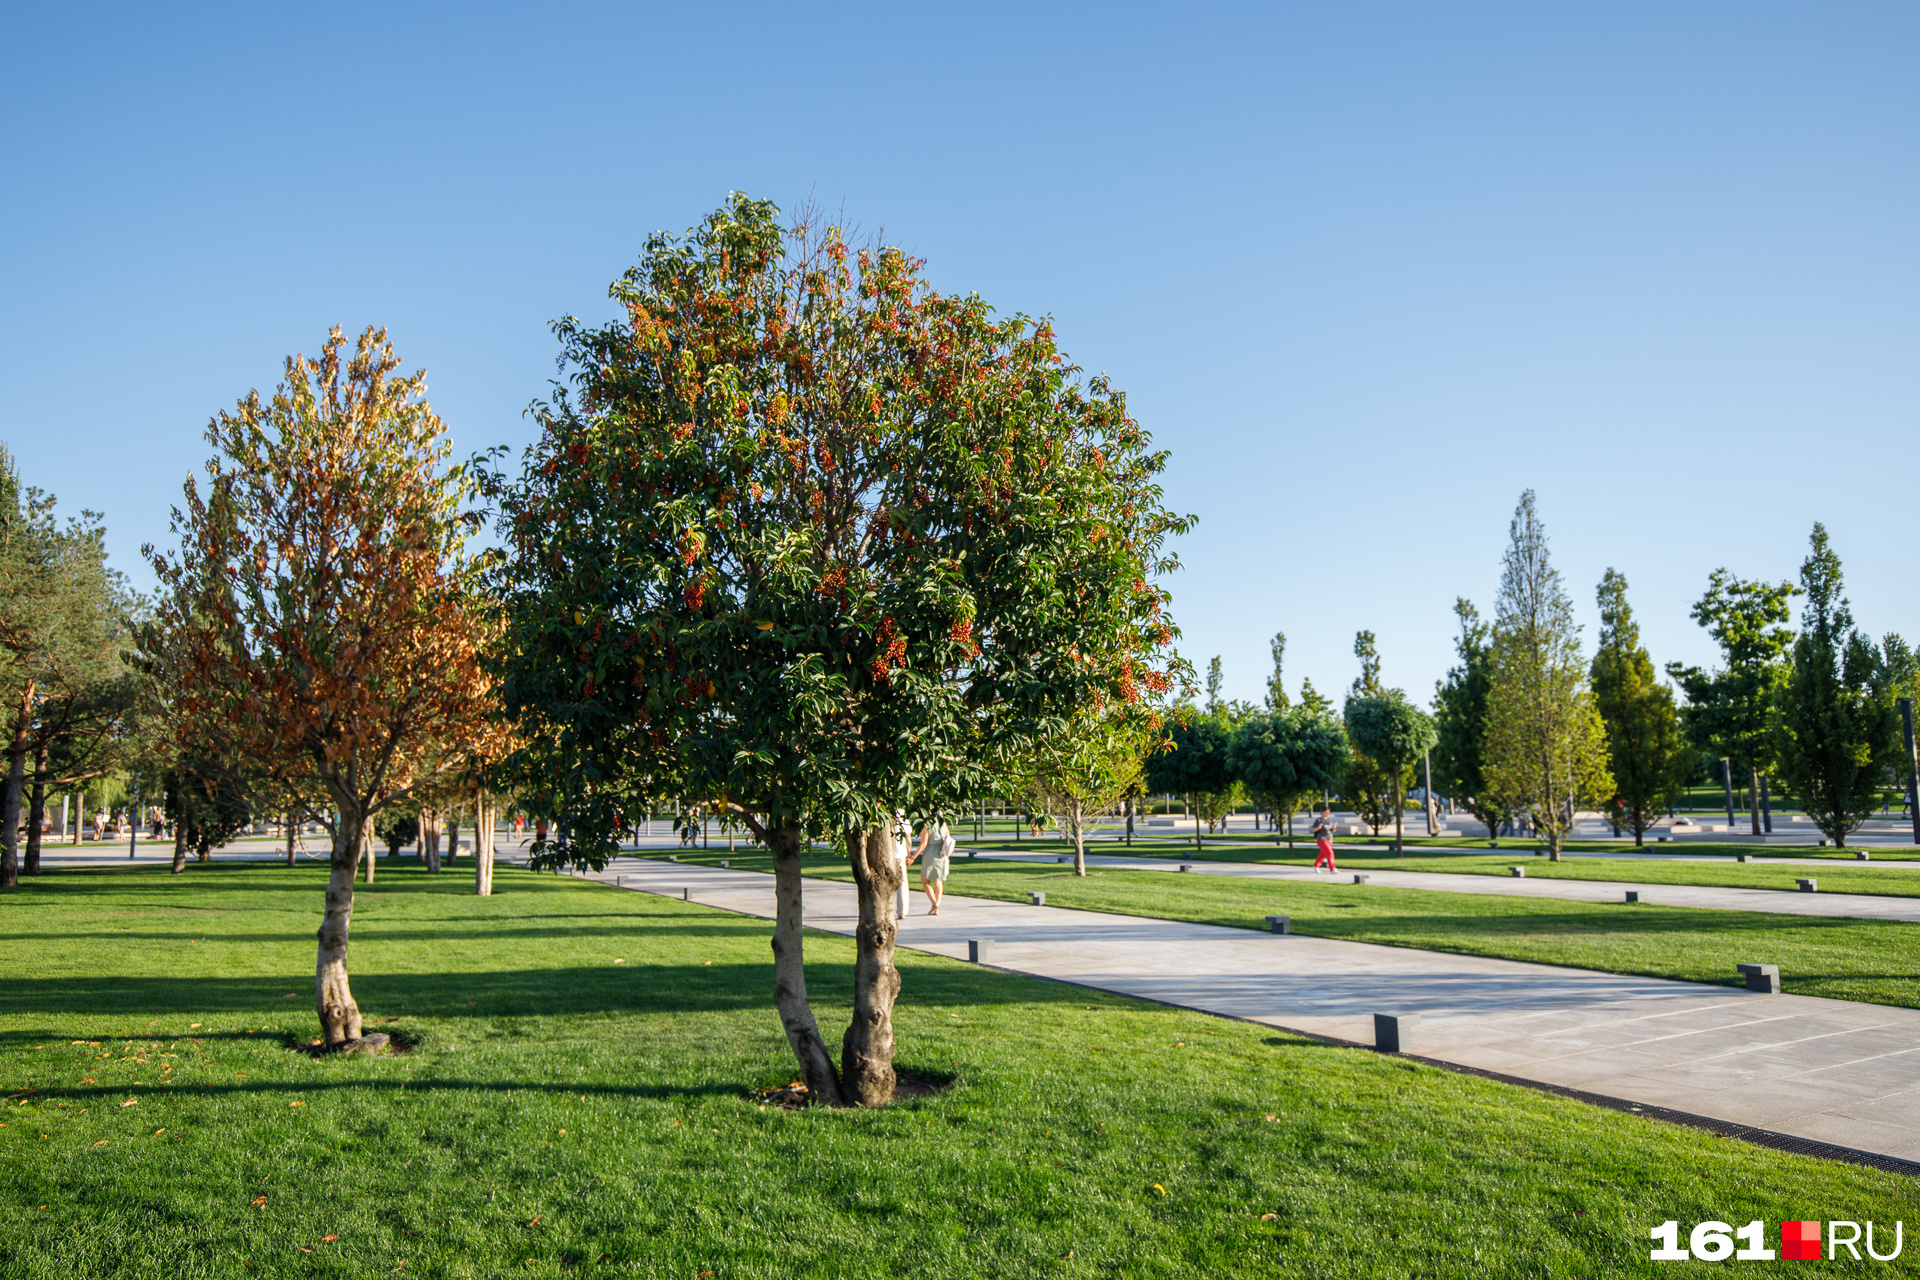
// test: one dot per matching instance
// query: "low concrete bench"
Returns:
(1764, 978)
(1037, 899)
(1359, 877)
(1633, 895)
(1862, 856)
(1519, 873)
(1280, 924)
(1743, 857)
(1808, 886)
(977, 949)
(673, 857)
(1393, 1032)
(1063, 857)
(1186, 866)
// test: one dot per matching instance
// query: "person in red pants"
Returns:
(1323, 832)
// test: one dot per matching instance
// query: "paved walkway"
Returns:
(1827, 1070)
(1862, 906)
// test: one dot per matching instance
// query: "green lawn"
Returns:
(1841, 877)
(1870, 960)
(580, 1100)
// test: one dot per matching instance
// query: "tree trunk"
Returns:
(36, 809)
(1076, 816)
(179, 847)
(787, 842)
(1399, 849)
(365, 847)
(866, 1053)
(453, 840)
(1753, 795)
(290, 838)
(1196, 828)
(482, 846)
(10, 807)
(339, 1015)
(430, 839)
(79, 813)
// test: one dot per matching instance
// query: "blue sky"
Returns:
(1367, 270)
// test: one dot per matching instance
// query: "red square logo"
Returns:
(1800, 1241)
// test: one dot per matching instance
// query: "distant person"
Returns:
(936, 843)
(1323, 835)
(902, 837)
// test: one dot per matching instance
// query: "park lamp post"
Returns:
(1913, 767)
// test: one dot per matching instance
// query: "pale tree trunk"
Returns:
(787, 843)
(79, 813)
(36, 810)
(1753, 796)
(482, 846)
(1075, 816)
(339, 1015)
(1195, 804)
(10, 807)
(1399, 811)
(430, 839)
(453, 839)
(366, 847)
(866, 1055)
(290, 838)
(179, 848)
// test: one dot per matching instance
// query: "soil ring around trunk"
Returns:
(906, 1088)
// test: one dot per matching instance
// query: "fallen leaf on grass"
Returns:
(158, 1132)
(103, 1142)
(1157, 1187)
(296, 1104)
(536, 1219)
(306, 1248)
(619, 959)
(259, 1202)
(706, 1272)
(131, 1102)
(240, 1077)
(291, 995)
(88, 1080)
(196, 1024)
(328, 1239)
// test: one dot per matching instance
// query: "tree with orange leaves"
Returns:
(819, 544)
(317, 622)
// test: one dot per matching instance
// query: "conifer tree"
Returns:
(1645, 748)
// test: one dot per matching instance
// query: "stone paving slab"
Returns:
(1857, 906)
(1828, 1070)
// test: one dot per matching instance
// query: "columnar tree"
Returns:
(1546, 746)
(1368, 785)
(1277, 700)
(1395, 734)
(817, 544)
(1460, 722)
(1646, 751)
(1283, 756)
(1836, 731)
(1729, 709)
(317, 621)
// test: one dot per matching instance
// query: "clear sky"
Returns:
(1367, 270)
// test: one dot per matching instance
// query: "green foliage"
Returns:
(1835, 732)
(1367, 784)
(1395, 734)
(206, 806)
(810, 540)
(1195, 764)
(1281, 757)
(397, 828)
(1460, 722)
(1728, 709)
(1646, 751)
(1546, 746)
(1277, 700)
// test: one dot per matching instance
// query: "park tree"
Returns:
(1367, 784)
(63, 620)
(318, 619)
(1546, 746)
(1460, 722)
(1282, 756)
(1835, 732)
(823, 547)
(207, 805)
(1729, 709)
(1394, 734)
(1087, 769)
(1646, 752)
(1194, 762)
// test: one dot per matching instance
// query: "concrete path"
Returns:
(1833, 1072)
(1861, 906)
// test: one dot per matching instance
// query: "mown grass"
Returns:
(1870, 960)
(1761, 873)
(580, 1100)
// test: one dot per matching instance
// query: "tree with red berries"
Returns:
(807, 540)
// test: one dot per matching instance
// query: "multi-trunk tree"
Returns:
(1394, 734)
(1646, 752)
(1835, 732)
(1546, 747)
(1729, 710)
(318, 621)
(812, 543)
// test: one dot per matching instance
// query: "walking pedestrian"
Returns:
(1323, 834)
(936, 844)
